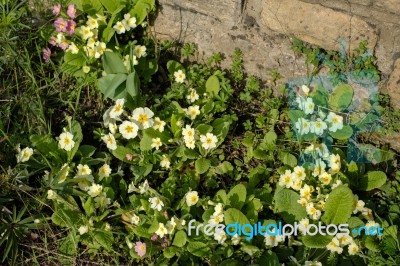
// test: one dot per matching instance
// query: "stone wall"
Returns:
(263, 29)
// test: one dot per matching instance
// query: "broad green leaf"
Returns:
(111, 6)
(294, 115)
(232, 216)
(288, 158)
(250, 249)
(174, 66)
(89, 207)
(180, 239)
(149, 134)
(237, 196)
(317, 241)
(221, 196)
(223, 168)
(269, 258)
(108, 33)
(105, 239)
(170, 252)
(372, 180)
(342, 134)
(113, 64)
(339, 206)
(120, 152)
(68, 245)
(74, 59)
(133, 84)
(286, 201)
(212, 85)
(202, 165)
(113, 86)
(371, 243)
(141, 10)
(341, 97)
(199, 249)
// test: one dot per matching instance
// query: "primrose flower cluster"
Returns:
(88, 37)
(313, 197)
(63, 24)
(318, 121)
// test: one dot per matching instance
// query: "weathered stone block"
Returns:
(393, 85)
(316, 24)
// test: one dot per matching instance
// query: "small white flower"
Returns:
(140, 51)
(165, 162)
(119, 27)
(156, 143)
(83, 170)
(135, 219)
(220, 236)
(117, 109)
(312, 211)
(271, 240)
(334, 246)
(179, 76)
(318, 127)
(285, 179)
(188, 133)
(190, 143)
(36, 221)
(192, 96)
(306, 191)
(128, 129)
(193, 111)
(159, 124)
(66, 141)
(312, 263)
(353, 249)
(208, 141)
(129, 23)
(219, 209)
(162, 230)
(132, 188)
(344, 239)
(303, 126)
(86, 32)
(335, 120)
(235, 239)
(24, 154)
(156, 203)
(305, 89)
(73, 48)
(359, 206)
(144, 187)
(302, 201)
(192, 198)
(143, 116)
(216, 219)
(105, 170)
(325, 178)
(109, 139)
(95, 190)
(83, 229)
(92, 23)
(299, 173)
(86, 69)
(51, 195)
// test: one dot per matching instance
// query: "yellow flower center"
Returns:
(209, 141)
(194, 198)
(129, 129)
(143, 118)
(66, 141)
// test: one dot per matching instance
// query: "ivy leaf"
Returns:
(237, 196)
(338, 206)
(372, 180)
